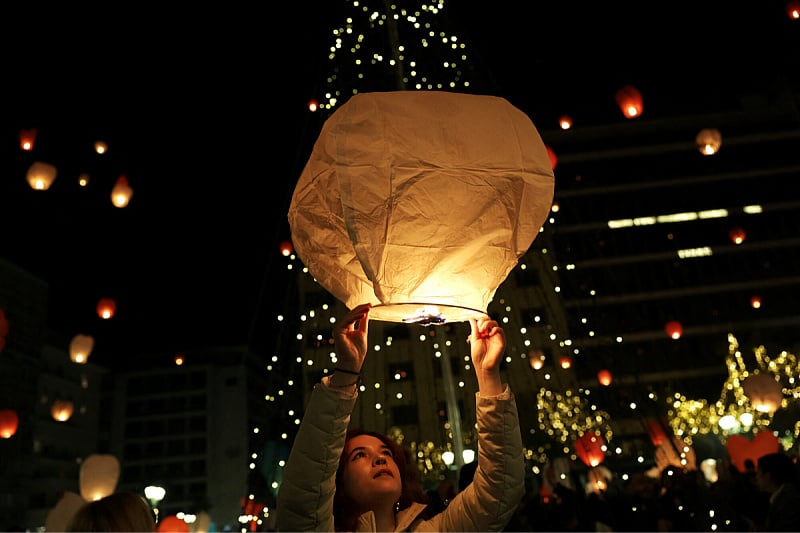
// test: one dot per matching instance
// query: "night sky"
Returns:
(204, 111)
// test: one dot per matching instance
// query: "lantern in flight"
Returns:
(27, 138)
(98, 476)
(121, 193)
(41, 175)
(286, 248)
(9, 422)
(106, 307)
(793, 10)
(709, 141)
(62, 410)
(737, 235)
(591, 448)
(629, 100)
(420, 202)
(80, 348)
(674, 329)
(604, 377)
(764, 392)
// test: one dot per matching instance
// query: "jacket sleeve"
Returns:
(305, 497)
(489, 502)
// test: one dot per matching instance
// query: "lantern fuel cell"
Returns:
(421, 200)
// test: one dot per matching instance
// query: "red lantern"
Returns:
(737, 235)
(3, 329)
(793, 10)
(629, 100)
(106, 308)
(179, 360)
(604, 377)
(565, 362)
(26, 139)
(591, 448)
(674, 329)
(313, 105)
(286, 248)
(655, 430)
(62, 410)
(172, 524)
(553, 158)
(9, 422)
(755, 302)
(565, 122)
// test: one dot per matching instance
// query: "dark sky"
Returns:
(203, 108)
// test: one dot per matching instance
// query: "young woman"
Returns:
(359, 481)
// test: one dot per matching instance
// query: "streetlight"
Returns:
(154, 495)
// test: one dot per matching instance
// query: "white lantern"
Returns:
(421, 202)
(99, 475)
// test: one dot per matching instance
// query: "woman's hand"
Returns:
(487, 342)
(350, 336)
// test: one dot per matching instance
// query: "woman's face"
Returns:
(370, 476)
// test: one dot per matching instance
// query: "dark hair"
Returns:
(780, 466)
(121, 511)
(411, 491)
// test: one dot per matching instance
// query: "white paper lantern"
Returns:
(421, 202)
(99, 475)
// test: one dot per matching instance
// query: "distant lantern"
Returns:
(121, 193)
(565, 362)
(83, 179)
(27, 138)
(9, 422)
(764, 392)
(421, 202)
(674, 329)
(737, 235)
(80, 348)
(62, 410)
(599, 478)
(709, 141)
(3, 329)
(313, 105)
(604, 377)
(591, 448)
(553, 157)
(41, 175)
(106, 307)
(179, 359)
(565, 122)
(286, 248)
(793, 10)
(655, 430)
(100, 147)
(536, 359)
(755, 302)
(98, 476)
(630, 101)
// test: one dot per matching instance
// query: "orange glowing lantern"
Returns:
(655, 430)
(755, 302)
(179, 360)
(121, 193)
(565, 122)
(565, 362)
(536, 359)
(9, 422)
(415, 218)
(764, 392)
(604, 377)
(629, 100)
(62, 410)
(106, 308)
(793, 10)
(591, 448)
(674, 329)
(599, 478)
(100, 147)
(80, 348)
(172, 524)
(83, 179)
(313, 105)
(27, 138)
(3, 329)
(709, 141)
(553, 157)
(737, 235)
(41, 175)
(98, 476)
(286, 248)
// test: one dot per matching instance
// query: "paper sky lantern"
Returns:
(9, 422)
(62, 410)
(420, 202)
(764, 392)
(590, 448)
(604, 377)
(80, 348)
(598, 479)
(106, 307)
(737, 235)
(740, 448)
(98, 476)
(565, 122)
(27, 138)
(793, 10)
(60, 515)
(709, 141)
(172, 524)
(675, 452)
(655, 430)
(286, 248)
(565, 362)
(41, 175)
(629, 100)
(100, 147)
(674, 329)
(121, 193)
(3, 329)
(553, 157)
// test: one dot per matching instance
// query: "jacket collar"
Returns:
(405, 518)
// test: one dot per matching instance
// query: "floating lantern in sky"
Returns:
(41, 175)
(674, 329)
(80, 348)
(9, 422)
(100, 147)
(591, 448)
(121, 193)
(286, 248)
(553, 157)
(565, 362)
(565, 122)
(98, 476)
(709, 141)
(629, 100)
(793, 10)
(764, 392)
(106, 307)
(62, 410)
(737, 235)
(604, 377)
(27, 138)
(420, 202)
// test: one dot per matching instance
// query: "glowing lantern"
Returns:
(553, 157)
(764, 392)
(99, 475)
(172, 524)
(121, 193)
(100, 147)
(793, 10)
(106, 307)
(536, 359)
(83, 179)
(740, 448)
(591, 448)
(655, 430)
(709, 141)
(755, 302)
(3, 329)
(599, 477)
(80, 348)
(41, 175)
(9, 422)
(565, 362)
(66, 507)
(674, 329)
(565, 122)
(604, 377)
(179, 360)
(286, 248)
(737, 235)
(27, 138)
(313, 105)
(629, 100)
(62, 410)
(677, 453)
(421, 202)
